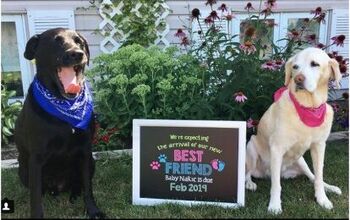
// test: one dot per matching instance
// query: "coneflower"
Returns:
(239, 97)
(338, 40)
(196, 13)
(249, 7)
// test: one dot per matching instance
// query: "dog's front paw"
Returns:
(331, 188)
(250, 185)
(96, 214)
(275, 208)
(325, 203)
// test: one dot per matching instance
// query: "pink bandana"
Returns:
(312, 117)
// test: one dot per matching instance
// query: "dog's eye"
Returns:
(59, 39)
(313, 64)
(295, 67)
(77, 40)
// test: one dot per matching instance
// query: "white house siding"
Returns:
(87, 20)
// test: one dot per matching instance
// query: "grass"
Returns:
(113, 189)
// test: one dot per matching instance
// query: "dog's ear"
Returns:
(31, 46)
(288, 71)
(335, 72)
(86, 46)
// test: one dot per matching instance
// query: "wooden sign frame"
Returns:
(139, 124)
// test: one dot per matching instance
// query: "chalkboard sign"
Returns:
(188, 162)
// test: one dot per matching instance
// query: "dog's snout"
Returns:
(299, 78)
(76, 55)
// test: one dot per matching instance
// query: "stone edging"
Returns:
(13, 163)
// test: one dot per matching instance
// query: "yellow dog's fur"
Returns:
(282, 138)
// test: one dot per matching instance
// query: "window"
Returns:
(290, 21)
(15, 71)
(281, 24)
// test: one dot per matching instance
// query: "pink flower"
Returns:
(195, 13)
(272, 65)
(223, 8)
(270, 3)
(105, 138)
(278, 63)
(338, 40)
(269, 65)
(320, 45)
(208, 20)
(311, 38)
(214, 15)
(185, 41)
(294, 35)
(240, 97)
(249, 7)
(267, 11)
(248, 47)
(335, 107)
(252, 123)
(180, 33)
(210, 2)
(317, 11)
(321, 18)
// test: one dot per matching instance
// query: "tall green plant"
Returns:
(9, 113)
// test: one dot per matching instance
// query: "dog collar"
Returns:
(311, 117)
(77, 112)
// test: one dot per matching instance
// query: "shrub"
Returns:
(135, 82)
(217, 79)
(9, 113)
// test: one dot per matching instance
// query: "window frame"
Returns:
(281, 30)
(26, 73)
(295, 15)
(236, 22)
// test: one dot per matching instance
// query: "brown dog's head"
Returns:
(310, 69)
(60, 55)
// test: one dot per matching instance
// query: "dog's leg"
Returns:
(23, 168)
(89, 200)
(317, 154)
(306, 170)
(35, 172)
(275, 166)
(251, 158)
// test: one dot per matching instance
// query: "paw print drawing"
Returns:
(162, 158)
(155, 165)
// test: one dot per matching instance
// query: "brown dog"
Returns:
(54, 143)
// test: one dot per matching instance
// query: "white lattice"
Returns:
(114, 37)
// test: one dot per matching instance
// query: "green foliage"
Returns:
(139, 26)
(247, 64)
(9, 113)
(135, 82)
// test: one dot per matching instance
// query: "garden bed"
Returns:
(113, 187)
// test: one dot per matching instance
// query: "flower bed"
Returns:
(216, 78)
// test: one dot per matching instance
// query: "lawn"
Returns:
(113, 186)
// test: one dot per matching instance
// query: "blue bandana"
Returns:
(77, 112)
